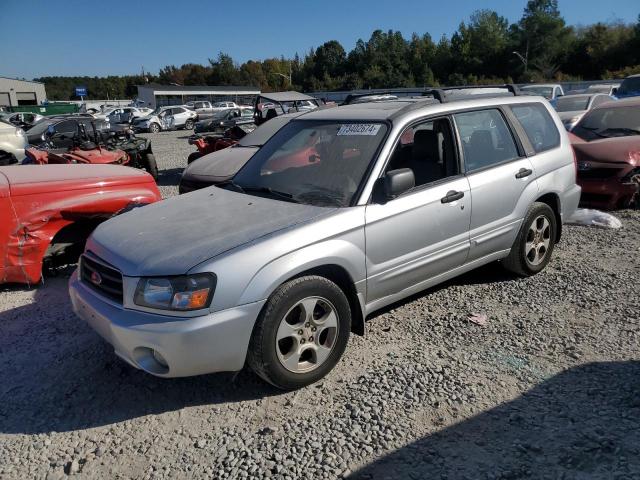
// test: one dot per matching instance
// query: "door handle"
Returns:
(452, 196)
(524, 172)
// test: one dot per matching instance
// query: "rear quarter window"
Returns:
(538, 125)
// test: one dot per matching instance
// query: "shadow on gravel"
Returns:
(170, 177)
(57, 374)
(582, 423)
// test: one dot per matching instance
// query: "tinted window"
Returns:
(68, 127)
(486, 139)
(629, 85)
(539, 126)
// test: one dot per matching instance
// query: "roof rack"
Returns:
(440, 94)
(354, 96)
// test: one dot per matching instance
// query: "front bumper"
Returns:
(216, 342)
(606, 194)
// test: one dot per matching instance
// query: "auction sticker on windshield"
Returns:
(359, 129)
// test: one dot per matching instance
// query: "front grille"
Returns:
(598, 173)
(189, 185)
(101, 278)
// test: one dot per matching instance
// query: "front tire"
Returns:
(193, 156)
(301, 333)
(150, 165)
(188, 125)
(532, 249)
(154, 128)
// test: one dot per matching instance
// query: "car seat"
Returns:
(480, 149)
(426, 161)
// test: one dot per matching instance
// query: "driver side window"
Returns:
(428, 149)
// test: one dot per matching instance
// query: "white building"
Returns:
(154, 95)
(15, 92)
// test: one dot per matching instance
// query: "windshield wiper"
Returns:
(268, 190)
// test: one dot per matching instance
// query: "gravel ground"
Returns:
(548, 388)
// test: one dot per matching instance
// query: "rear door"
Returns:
(501, 178)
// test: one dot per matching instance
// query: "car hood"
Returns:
(219, 166)
(175, 235)
(614, 150)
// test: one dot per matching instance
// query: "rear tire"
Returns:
(532, 249)
(150, 165)
(188, 125)
(193, 156)
(301, 333)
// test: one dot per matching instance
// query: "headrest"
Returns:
(425, 146)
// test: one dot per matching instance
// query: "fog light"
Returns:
(160, 359)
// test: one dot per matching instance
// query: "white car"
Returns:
(13, 141)
(124, 114)
(549, 91)
(166, 118)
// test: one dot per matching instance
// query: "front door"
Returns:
(424, 232)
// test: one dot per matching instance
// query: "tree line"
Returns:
(484, 49)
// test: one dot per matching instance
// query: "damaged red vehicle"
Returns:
(47, 212)
(212, 143)
(606, 143)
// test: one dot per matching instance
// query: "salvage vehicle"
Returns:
(279, 266)
(13, 142)
(124, 114)
(137, 149)
(66, 129)
(47, 212)
(212, 143)
(549, 91)
(606, 88)
(607, 148)
(155, 122)
(220, 165)
(24, 120)
(270, 105)
(220, 121)
(630, 87)
(571, 108)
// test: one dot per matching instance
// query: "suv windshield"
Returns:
(609, 122)
(313, 162)
(572, 104)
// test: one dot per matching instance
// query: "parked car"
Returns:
(606, 88)
(124, 114)
(65, 129)
(222, 120)
(630, 87)
(277, 268)
(24, 120)
(548, 91)
(215, 167)
(47, 212)
(181, 117)
(13, 141)
(607, 148)
(571, 108)
(270, 105)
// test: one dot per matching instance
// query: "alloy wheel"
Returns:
(538, 240)
(307, 334)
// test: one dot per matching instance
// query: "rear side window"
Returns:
(486, 139)
(538, 125)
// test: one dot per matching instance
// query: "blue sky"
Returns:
(115, 37)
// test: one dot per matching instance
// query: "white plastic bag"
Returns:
(594, 218)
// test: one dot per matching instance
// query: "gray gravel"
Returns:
(547, 389)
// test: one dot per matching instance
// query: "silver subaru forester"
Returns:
(342, 212)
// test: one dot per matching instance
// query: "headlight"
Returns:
(20, 132)
(183, 293)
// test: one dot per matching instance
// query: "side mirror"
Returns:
(614, 91)
(396, 182)
(51, 130)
